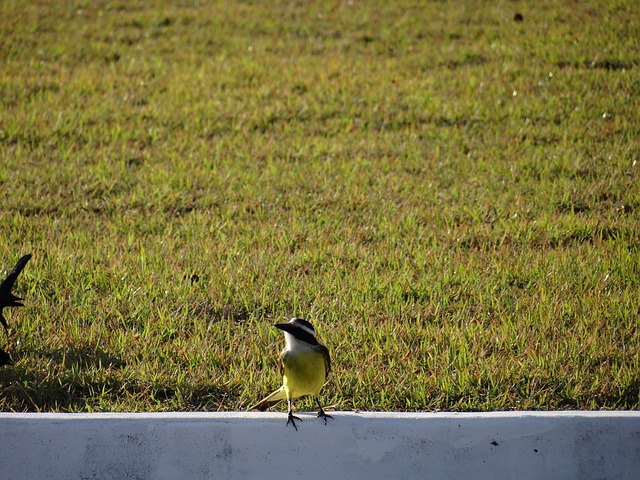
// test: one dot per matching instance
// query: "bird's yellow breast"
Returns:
(304, 373)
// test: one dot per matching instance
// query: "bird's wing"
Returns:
(327, 359)
(270, 400)
(7, 283)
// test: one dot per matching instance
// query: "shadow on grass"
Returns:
(86, 379)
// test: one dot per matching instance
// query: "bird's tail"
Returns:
(5, 359)
(270, 400)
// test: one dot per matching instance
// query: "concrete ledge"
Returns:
(501, 445)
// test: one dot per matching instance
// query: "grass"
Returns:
(450, 196)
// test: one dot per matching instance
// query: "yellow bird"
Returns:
(305, 366)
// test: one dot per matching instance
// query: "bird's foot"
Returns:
(323, 415)
(291, 419)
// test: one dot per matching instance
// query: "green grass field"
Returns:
(451, 197)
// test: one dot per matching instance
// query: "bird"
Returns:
(5, 359)
(8, 299)
(305, 365)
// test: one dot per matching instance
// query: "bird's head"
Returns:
(298, 329)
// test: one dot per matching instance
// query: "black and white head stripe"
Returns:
(304, 325)
(300, 329)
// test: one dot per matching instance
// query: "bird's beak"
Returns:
(286, 327)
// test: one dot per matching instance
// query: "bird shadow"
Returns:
(58, 380)
(89, 378)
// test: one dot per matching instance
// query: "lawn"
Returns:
(450, 195)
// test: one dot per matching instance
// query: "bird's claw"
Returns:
(291, 419)
(323, 415)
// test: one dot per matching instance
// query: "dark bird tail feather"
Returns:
(5, 359)
(7, 298)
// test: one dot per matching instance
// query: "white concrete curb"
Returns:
(500, 445)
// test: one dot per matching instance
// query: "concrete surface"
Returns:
(501, 445)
